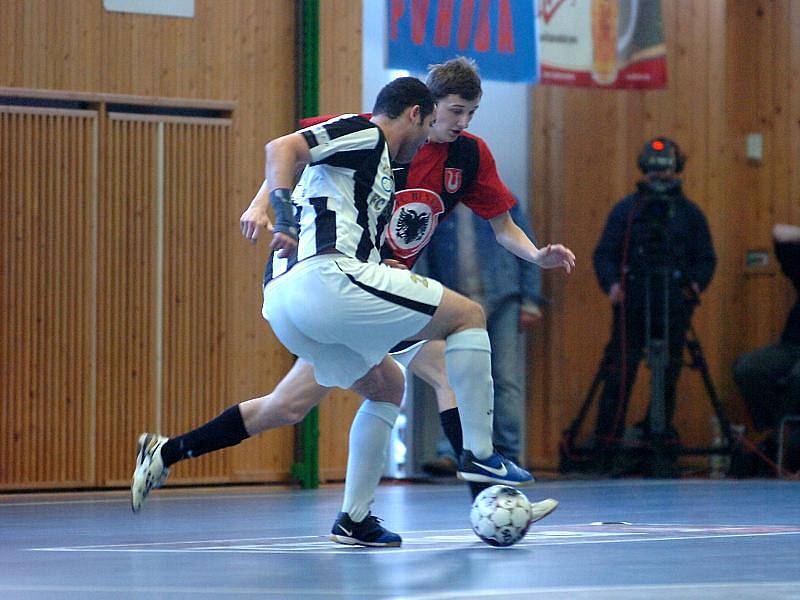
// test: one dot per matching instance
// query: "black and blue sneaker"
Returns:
(368, 532)
(494, 469)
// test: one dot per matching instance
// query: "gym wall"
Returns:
(130, 146)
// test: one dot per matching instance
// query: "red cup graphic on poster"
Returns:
(602, 43)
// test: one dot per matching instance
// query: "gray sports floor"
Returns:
(686, 539)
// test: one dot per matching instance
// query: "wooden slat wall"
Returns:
(162, 313)
(195, 311)
(731, 72)
(238, 50)
(764, 98)
(48, 199)
(127, 373)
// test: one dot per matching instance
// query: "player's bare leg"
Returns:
(291, 400)
(462, 324)
(296, 394)
(428, 365)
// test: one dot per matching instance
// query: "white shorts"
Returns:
(343, 316)
(404, 353)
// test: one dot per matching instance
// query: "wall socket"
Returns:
(754, 145)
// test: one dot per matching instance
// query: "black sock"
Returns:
(225, 430)
(451, 423)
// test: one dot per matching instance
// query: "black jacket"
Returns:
(649, 228)
(788, 254)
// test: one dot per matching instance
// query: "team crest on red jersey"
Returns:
(416, 214)
(452, 179)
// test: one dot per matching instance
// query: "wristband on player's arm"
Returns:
(281, 201)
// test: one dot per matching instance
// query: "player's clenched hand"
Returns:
(253, 221)
(554, 256)
(284, 244)
(395, 264)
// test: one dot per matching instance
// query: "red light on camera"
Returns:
(657, 145)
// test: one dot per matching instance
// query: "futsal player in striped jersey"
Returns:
(456, 167)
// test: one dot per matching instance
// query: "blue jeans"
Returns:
(508, 373)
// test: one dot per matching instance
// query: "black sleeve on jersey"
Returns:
(336, 129)
(352, 159)
(342, 127)
(311, 139)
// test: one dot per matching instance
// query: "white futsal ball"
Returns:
(500, 515)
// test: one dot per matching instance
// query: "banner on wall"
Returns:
(602, 43)
(499, 34)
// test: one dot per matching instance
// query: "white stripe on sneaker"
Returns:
(499, 472)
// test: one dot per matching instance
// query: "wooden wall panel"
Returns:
(127, 279)
(48, 199)
(192, 361)
(336, 414)
(161, 262)
(759, 99)
(340, 56)
(239, 50)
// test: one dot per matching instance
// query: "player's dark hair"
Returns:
(402, 93)
(457, 76)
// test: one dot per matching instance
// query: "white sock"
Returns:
(370, 434)
(468, 358)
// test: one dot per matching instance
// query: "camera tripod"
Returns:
(657, 354)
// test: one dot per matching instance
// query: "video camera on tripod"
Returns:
(656, 286)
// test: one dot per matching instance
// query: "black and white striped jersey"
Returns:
(344, 197)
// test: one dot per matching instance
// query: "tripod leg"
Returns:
(569, 454)
(602, 374)
(699, 363)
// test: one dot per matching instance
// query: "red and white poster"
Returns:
(602, 43)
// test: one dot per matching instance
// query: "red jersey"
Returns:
(438, 178)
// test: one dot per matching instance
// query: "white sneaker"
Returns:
(539, 510)
(150, 471)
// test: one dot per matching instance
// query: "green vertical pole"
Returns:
(306, 469)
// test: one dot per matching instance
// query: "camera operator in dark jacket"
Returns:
(653, 237)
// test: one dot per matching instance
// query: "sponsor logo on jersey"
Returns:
(378, 202)
(387, 179)
(416, 214)
(452, 179)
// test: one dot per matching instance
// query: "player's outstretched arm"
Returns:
(511, 237)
